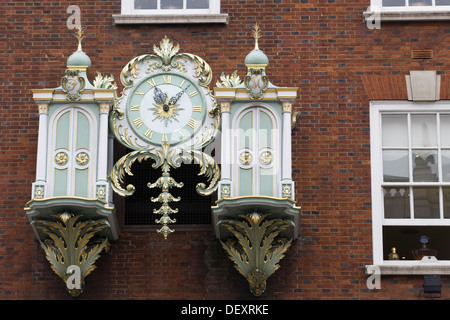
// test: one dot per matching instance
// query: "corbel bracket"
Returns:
(256, 248)
(72, 248)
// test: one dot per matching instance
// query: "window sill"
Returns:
(406, 15)
(169, 19)
(409, 268)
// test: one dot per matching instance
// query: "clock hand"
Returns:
(174, 99)
(160, 97)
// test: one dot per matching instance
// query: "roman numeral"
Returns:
(139, 93)
(164, 138)
(151, 82)
(197, 108)
(168, 79)
(134, 108)
(192, 94)
(138, 122)
(149, 133)
(192, 123)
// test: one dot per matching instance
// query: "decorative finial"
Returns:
(256, 34)
(80, 36)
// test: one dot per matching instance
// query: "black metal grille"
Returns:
(192, 208)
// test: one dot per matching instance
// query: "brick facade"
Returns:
(321, 46)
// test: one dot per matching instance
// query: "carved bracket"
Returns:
(72, 247)
(257, 248)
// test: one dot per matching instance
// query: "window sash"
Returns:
(378, 108)
(128, 8)
(407, 7)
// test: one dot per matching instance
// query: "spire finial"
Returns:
(80, 36)
(256, 34)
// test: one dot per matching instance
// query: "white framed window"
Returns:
(398, 10)
(170, 11)
(410, 163)
(414, 5)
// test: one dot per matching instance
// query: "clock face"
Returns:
(166, 107)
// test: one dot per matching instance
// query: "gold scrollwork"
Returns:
(256, 82)
(39, 192)
(225, 191)
(166, 58)
(286, 191)
(70, 242)
(256, 248)
(73, 84)
(101, 192)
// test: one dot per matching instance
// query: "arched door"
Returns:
(257, 152)
(72, 153)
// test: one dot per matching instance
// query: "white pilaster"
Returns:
(41, 162)
(226, 158)
(286, 172)
(102, 166)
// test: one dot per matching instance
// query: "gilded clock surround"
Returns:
(167, 149)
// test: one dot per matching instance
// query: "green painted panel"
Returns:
(83, 131)
(81, 182)
(245, 182)
(60, 183)
(245, 131)
(63, 131)
(265, 130)
(266, 182)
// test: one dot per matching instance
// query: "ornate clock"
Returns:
(166, 107)
(166, 113)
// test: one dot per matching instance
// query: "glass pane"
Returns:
(420, 2)
(246, 131)
(171, 4)
(446, 200)
(426, 202)
(445, 156)
(425, 166)
(393, 3)
(395, 165)
(265, 130)
(443, 2)
(396, 202)
(406, 239)
(197, 4)
(423, 130)
(395, 130)
(445, 129)
(145, 4)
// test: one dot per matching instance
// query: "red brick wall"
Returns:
(321, 46)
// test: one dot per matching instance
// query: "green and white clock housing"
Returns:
(74, 150)
(257, 121)
(71, 210)
(256, 217)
